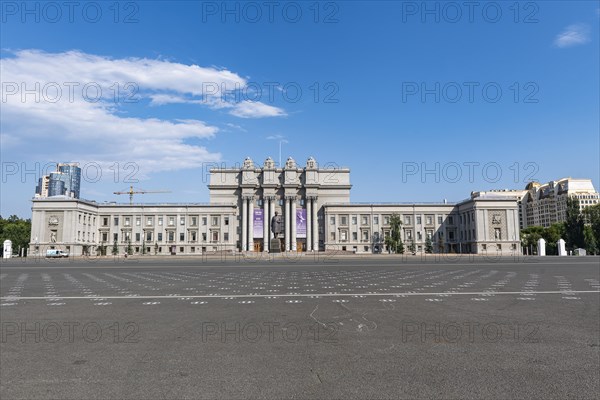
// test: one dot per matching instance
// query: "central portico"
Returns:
(296, 193)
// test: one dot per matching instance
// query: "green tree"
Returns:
(530, 237)
(428, 245)
(17, 230)
(591, 244)
(592, 217)
(551, 235)
(574, 224)
(155, 248)
(115, 248)
(143, 247)
(394, 240)
(129, 248)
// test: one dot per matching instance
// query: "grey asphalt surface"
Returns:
(346, 327)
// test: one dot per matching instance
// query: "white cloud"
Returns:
(103, 131)
(251, 109)
(573, 35)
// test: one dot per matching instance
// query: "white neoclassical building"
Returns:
(316, 211)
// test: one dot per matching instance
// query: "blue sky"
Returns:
(399, 90)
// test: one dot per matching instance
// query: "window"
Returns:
(354, 220)
(160, 221)
(343, 220)
(193, 236)
(332, 236)
(226, 220)
(226, 237)
(79, 218)
(215, 236)
(105, 221)
(181, 249)
(104, 236)
(386, 219)
(344, 236)
(137, 237)
(407, 219)
(159, 236)
(451, 235)
(418, 220)
(215, 221)
(354, 236)
(409, 234)
(181, 220)
(365, 236)
(419, 236)
(440, 219)
(204, 236)
(332, 220)
(127, 221)
(181, 237)
(148, 236)
(429, 234)
(429, 219)
(115, 237)
(364, 219)
(149, 221)
(171, 221)
(138, 221)
(194, 221)
(204, 221)
(451, 220)
(116, 221)
(78, 235)
(171, 236)
(376, 220)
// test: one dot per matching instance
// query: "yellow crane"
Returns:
(131, 192)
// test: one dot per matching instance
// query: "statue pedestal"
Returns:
(275, 246)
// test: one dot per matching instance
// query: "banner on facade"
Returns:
(301, 223)
(258, 220)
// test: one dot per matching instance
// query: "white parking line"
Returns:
(234, 296)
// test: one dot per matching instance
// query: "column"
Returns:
(272, 201)
(251, 224)
(266, 222)
(308, 224)
(293, 217)
(287, 223)
(244, 223)
(315, 224)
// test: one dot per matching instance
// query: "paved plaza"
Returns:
(346, 327)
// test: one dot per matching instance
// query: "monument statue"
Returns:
(276, 224)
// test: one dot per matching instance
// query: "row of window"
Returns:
(406, 219)
(170, 220)
(86, 219)
(170, 236)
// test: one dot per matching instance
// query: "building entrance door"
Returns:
(300, 246)
(258, 246)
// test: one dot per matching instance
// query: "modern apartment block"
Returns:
(316, 212)
(544, 205)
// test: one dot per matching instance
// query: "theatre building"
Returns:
(314, 206)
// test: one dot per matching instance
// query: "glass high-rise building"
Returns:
(66, 181)
(73, 178)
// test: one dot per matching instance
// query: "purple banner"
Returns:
(258, 220)
(301, 223)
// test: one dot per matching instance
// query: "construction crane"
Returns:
(131, 192)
